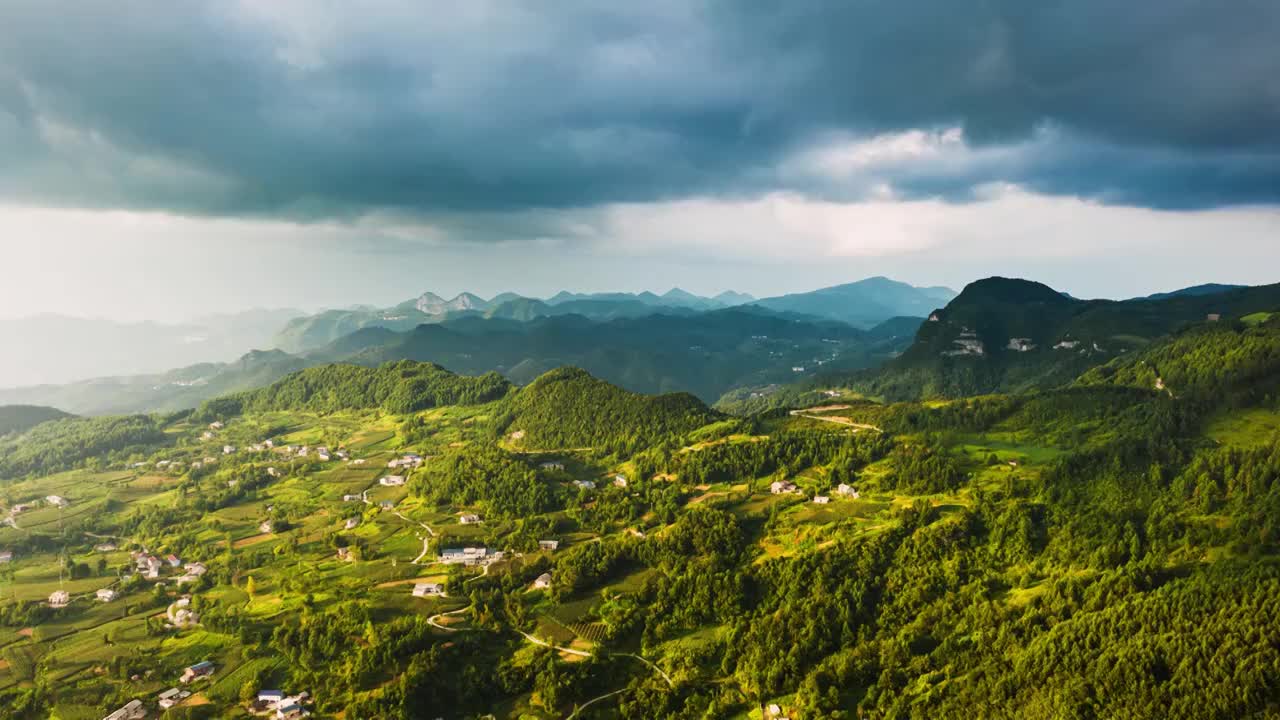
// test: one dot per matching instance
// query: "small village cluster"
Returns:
(321, 452)
(150, 567)
(169, 568)
(786, 487)
(269, 703)
(11, 518)
(147, 566)
(409, 460)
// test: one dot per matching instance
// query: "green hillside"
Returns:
(1215, 363)
(1004, 335)
(20, 418)
(705, 354)
(1103, 548)
(71, 442)
(568, 408)
(313, 331)
(398, 387)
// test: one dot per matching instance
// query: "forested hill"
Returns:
(399, 387)
(1107, 549)
(19, 418)
(1224, 363)
(568, 408)
(1008, 335)
(706, 354)
(72, 442)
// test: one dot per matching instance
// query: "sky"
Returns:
(167, 160)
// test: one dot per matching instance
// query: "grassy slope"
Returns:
(289, 567)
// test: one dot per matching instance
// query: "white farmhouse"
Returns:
(782, 487)
(428, 590)
(132, 710)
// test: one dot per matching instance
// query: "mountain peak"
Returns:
(431, 304)
(731, 297)
(1009, 290)
(1194, 291)
(679, 294)
(467, 301)
(863, 303)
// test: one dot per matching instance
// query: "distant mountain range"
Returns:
(315, 331)
(432, 304)
(997, 335)
(1195, 290)
(863, 304)
(703, 353)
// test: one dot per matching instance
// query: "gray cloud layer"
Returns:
(312, 110)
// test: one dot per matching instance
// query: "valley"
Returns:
(614, 555)
(708, 354)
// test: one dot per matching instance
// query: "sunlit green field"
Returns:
(296, 570)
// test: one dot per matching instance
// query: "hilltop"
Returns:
(863, 304)
(568, 408)
(1204, 289)
(20, 418)
(398, 387)
(1008, 335)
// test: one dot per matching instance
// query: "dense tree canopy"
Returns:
(64, 444)
(567, 408)
(398, 387)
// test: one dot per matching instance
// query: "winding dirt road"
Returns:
(432, 620)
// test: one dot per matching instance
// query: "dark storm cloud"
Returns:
(316, 111)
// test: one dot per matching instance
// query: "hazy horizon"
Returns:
(165, 162)
(168, 317)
